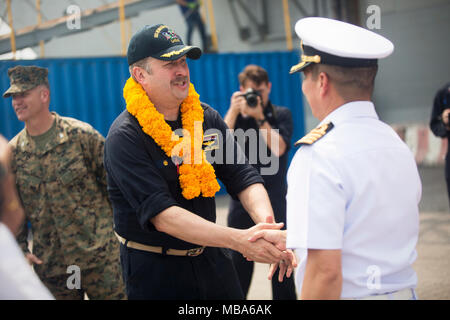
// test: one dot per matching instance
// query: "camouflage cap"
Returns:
(24, 78)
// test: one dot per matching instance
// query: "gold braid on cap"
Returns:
(169, 54)
(304, 59)
(315, 59)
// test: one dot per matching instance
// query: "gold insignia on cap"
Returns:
(315, 59)
(172, 53)
(304, 60)
(315, 134)
(157, 31)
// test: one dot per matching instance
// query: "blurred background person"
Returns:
(17, 279)
(190, 9)
(440, 124)
(251, 109)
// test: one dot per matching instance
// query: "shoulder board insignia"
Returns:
(315, 134)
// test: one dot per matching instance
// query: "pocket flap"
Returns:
(28, 180)
(72, 172)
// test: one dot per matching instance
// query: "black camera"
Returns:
(251, 96)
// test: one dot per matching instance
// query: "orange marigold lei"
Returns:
(196, 174)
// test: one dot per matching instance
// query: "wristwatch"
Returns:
(261, 122)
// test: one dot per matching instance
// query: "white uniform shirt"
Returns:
(357, 189)
(17, 279)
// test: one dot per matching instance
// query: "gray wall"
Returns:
(408, 79)
(420, 64)
(105, 40)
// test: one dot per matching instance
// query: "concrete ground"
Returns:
(433, 248)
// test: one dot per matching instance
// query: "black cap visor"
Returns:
(312, 55)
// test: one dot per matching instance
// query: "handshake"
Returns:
(266, 243)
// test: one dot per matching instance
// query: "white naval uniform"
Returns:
(357, 189)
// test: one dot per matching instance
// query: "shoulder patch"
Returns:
(315, 134)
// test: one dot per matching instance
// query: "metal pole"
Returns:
(129, 30)
(212, 23)
(203, 11)
(12, 37)
(38, 8)
(122, 26)
(287, 25)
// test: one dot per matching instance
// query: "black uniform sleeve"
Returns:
(285, 125)
(236, 174)
(436, 124)
(138, 179)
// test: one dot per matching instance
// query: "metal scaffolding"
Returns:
(89, 19)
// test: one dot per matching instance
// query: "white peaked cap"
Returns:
(339, 43)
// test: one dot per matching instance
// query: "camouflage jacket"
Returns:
(63, 191)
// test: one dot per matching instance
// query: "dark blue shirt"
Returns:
(143, 181)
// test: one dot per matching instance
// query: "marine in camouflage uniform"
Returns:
(62, 183)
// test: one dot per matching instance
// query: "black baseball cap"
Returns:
(159, 42)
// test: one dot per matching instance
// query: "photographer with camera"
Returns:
(440, 123)
(251, 109)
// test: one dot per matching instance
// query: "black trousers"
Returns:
(153, 276)
(240, 219)
(193, 21)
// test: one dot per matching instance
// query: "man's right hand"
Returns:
(260, 250)
(237, 106)
(277, 238)
(32, 259)
(237, 103)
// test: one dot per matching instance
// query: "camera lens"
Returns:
(252, 100)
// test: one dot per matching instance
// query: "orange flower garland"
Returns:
(196, 174)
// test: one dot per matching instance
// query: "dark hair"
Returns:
(253, 73)
(347, 80)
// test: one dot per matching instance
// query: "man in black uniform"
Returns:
(440, 124)
(267, 151)
(163, 198)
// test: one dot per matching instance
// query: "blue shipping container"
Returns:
(90, 89)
